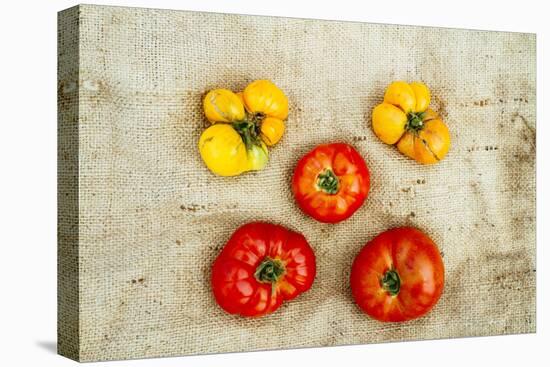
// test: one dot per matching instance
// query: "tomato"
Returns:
(427, 145)
(405, 119)
(272, 130)
(222, 105)
(398, 276)
(262, 96)
(268, 105)
(244, 124)
(331, 182)
(261, 266)
(230, 150)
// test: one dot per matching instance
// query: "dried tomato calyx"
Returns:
(328, 182)
(415, 121)
(391, 282)
(269, 270)
(256, 118)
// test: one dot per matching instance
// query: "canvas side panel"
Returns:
(67, 184)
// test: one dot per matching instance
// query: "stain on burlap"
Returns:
(143, 218)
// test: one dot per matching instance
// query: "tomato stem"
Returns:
(328, 182)
(249, 129)
(269, 270)
(415, 121)
(248, 132)
(391, 282)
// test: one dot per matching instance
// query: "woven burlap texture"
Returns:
(151, 217)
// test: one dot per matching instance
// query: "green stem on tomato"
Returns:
(391, 282)
(247, 132)
(269, 270)
(415, 121)
(249, 129)
(328, 182)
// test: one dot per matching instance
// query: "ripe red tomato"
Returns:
(261, 266)
(398, 276)
(331, 182)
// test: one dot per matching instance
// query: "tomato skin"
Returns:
(311, 183)
(417, 261)
(272, 130)
(240, 287)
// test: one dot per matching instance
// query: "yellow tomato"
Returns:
(223, 150)
(226, 154)
(430, 145)
(264, 97)
(401, 95)
(388, 122)
(272, 130)
(237, 142)
(421, 95)
(222, 105)
(405, 119)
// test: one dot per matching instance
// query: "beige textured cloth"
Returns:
(141, 218)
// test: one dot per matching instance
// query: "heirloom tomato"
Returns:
(225, 152)
(261, 266)
(268, 105)
(405, 119)
(222, 105)
(244, 124)
(398, 276)
(331, 182)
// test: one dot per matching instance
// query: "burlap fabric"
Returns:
(141, 218)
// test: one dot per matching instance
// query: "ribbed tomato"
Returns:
(261, 266)
(405, 119)
(398, 276)
(331, 182)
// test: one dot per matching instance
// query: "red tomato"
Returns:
(331, 182)
(398, 276)
(261, 266)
